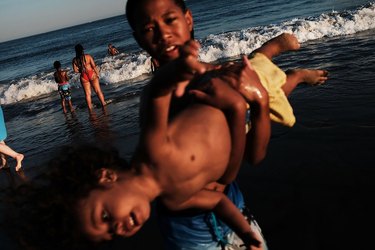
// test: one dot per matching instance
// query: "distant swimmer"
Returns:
(62, 79)
(85, 64)
(112, 50)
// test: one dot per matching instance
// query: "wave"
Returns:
(236, 43)
(122, 68)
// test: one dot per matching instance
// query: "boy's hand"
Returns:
(214, 90)
(243, 78)
(250, 241)
(188, 65)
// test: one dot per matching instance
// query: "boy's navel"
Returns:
(192, 157)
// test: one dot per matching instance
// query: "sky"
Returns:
(22, 18)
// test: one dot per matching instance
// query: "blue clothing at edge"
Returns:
(3, 129)
(197, 232)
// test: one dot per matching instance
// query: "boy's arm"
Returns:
(55, 76)
(258, 137)
(243, 78)
(218, 93)
(157, 98)
(226, 212)
(66, 75)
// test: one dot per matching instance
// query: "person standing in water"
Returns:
(61, 78)
(6, 150)
(85, 65)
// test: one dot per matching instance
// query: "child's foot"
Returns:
(19, 158)
(3, 162)
(312, 76)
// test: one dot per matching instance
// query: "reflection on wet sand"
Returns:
(100, 124)
(11, 178)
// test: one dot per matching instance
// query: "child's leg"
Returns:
(70, 105)
(277, 45)
(288, 42)
(4, 149)
(63, 105)
(309, 76)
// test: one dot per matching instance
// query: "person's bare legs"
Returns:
(288, 42)
(96, 86)
(308, 76)
(71, 106)
(87, 89)
(277, 45)
(63, 105)
(4, 149)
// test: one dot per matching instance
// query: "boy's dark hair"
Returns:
(131, 5)
(42, 212)
(57, 65)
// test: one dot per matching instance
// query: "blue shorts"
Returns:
(64, 91)
(202, 231)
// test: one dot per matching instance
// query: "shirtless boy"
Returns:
(62, 79)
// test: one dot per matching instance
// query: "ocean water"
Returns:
(335, 122)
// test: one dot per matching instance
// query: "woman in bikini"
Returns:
(85, 64)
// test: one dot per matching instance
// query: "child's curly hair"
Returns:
(42, 212)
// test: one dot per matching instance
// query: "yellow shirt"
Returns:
(272, 79)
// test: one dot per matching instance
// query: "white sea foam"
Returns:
(26, 88)
(122, 68)
(332, 24)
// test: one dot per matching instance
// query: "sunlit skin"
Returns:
(173, 166)
(170, 165)
(161, 28)
(120, 207)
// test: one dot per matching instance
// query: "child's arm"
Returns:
(218, 93)
(258, 137)
(243, 78)
(225, 210)
(55, 76)
(66, 75)
(168, 79)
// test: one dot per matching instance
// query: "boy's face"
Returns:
(112, 210)
(161, 27)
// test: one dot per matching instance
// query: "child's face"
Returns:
(113, 210)
(161, 27)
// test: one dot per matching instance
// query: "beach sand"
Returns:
(304, 201)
